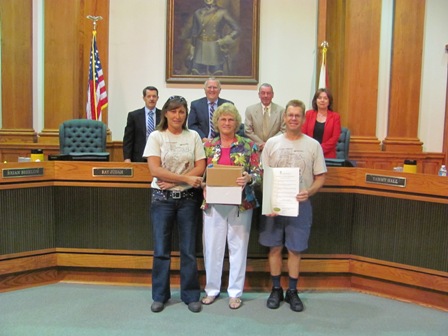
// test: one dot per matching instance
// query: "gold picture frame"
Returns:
(212, 38)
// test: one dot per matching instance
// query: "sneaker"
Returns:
(157, 306)
(275, 298)
(195, 307)
(293, 299)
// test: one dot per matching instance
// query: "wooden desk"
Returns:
(69, 225)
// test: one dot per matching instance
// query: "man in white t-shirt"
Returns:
(291, 149)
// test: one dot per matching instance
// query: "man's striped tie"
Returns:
(212, 128)
(149, 123)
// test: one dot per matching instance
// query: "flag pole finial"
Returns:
(94, 19)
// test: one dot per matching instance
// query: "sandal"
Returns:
(208, 300)
(235, 302)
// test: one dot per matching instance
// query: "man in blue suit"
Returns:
(139, 126)
(201, 111)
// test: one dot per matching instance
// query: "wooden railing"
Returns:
(427, 163)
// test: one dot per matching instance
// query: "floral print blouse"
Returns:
(243, 152)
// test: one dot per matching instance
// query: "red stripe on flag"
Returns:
(96, 91)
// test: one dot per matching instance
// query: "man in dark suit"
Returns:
(202, 109)
(139, 125)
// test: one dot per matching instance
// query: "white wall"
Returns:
(434, 76)
(137, 56)
(288, 49)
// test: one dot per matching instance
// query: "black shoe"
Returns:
(195, 307)
(293, 299)
(157, 306)
(275, 298)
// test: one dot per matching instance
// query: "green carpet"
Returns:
(74, 309)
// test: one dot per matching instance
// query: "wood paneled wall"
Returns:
(353, 33)
(351, 27)
(16, 58)
(68, 35)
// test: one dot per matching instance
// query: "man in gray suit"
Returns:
(265, 119)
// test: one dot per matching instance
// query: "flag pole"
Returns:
(323, 69)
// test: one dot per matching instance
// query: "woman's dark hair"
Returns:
(172, 103)
(330, 99)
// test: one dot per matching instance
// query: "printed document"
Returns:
(280, 187)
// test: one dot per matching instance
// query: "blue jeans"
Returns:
(164, 213)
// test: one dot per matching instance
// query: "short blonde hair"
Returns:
(226, 109)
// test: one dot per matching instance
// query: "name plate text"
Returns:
(22, 172)
(386, 180)
(113, 172)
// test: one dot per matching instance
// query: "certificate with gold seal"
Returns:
(280, 188)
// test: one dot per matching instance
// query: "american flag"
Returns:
(96, 88)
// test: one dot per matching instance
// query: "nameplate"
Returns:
(108, 172)
(22, 172)
(386, 180)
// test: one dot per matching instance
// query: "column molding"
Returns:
(405, 78)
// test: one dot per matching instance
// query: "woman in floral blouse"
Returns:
(229, 223)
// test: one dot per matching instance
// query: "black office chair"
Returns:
(342, 147)
(82, 136)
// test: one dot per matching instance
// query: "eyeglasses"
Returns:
(294, 116)
(179, 98)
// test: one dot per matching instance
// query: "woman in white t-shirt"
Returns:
(176, 161)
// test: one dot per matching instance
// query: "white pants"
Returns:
(226, 223)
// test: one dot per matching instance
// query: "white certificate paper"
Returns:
(280, 188)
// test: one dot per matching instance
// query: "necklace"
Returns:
(321, 117)
(320, 114)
